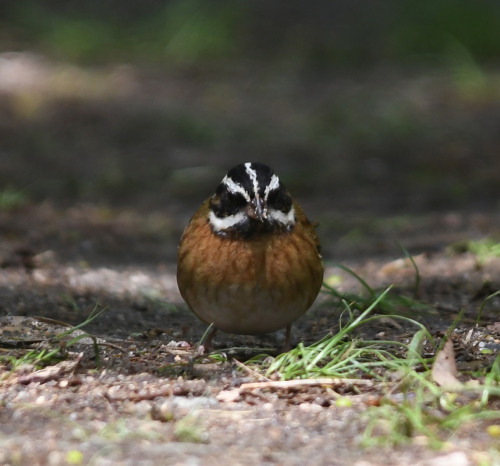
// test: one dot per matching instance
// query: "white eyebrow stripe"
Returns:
(235, 188)
(273, 184)
(253, 176)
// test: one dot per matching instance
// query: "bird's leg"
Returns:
(288, 335)
(206, 343)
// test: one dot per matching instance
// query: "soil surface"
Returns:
(138, 392)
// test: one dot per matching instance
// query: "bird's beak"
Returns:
(257, 209)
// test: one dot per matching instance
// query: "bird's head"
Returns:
(249, 199)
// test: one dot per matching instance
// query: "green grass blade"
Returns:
(351, 272)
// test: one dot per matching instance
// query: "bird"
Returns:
(249, 260)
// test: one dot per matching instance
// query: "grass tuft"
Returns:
(340, 355)
(411, 406)
(55, 349)
(423, 409)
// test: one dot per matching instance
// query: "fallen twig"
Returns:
(297, 384)
(250, 371)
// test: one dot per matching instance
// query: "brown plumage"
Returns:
(249, 284)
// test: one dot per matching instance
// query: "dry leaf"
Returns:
(444, 370)
(495, 327)
(229, 395)
(51, 372)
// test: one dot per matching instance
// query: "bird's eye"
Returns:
(225, 203)
(234, 202)
(280, 200)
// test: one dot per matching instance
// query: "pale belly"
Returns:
(243, 309)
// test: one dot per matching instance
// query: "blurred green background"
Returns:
(379, 108)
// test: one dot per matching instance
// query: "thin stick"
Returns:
(250, 371)
(295, 384)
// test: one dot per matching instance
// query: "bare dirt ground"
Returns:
(101, 234)
(150, 397)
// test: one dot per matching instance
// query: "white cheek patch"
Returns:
(286, 219)
(235, 188)
(273, 185)
(224, 223)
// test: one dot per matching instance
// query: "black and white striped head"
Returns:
(249, 199)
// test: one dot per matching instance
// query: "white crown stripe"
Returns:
(253, 177)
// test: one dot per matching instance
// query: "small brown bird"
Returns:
(249, 260)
